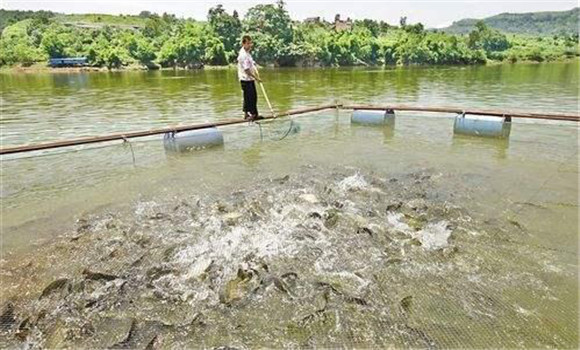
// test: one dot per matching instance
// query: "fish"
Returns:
(97, 276)
(406, 303)
(154, 343)
(54, 286)
(125, 343)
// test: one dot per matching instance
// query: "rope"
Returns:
(288, 131)
(274, 117)
(125, 141)
(261, 135)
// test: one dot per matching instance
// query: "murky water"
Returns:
(340, 234)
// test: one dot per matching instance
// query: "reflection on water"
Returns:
(498, 146)
(40, 107)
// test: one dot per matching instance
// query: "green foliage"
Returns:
(186, 48)
(9, 17)
(58, 41)
(524, 48)
(272, 20)
(145, 14)
(155, 27)
(373, 26)
(227, 28)
(215, 52)
(153, 40)
(535, 55)
(141, 49)
(123, 21)
(107, 50)
(490, 40)
(535, 23)
(271, 28)
(17, 47)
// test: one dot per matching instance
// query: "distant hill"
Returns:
(533, 23)
(89, 20)
(8, 17)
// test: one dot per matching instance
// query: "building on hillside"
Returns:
(340, 25)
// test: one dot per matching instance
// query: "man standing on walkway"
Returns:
(248, 75)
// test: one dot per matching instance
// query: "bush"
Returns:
(487, 39)
(535, 55)
(512, 57)
(174, 42)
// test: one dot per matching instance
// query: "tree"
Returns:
(155, 26)
(272, 28)
(271, 20)
(145, 14)
(184, 49)
(141, 49)
(483, 37)
(373, 26)
(215, 52)
(415, 28)
(57, 41)
(19, 50)
(227, 28)
(109, 49)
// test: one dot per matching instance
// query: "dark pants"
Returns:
(250, 97)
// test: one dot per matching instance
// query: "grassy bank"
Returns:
(45, 68)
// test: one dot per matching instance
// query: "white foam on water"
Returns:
(523, 311)
(145, 208)
(230, 246)
(394, 220)
(551, 268)
(354, 182)
(435, 235)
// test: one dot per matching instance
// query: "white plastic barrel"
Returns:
(482, 126)
(192, 139)
(370, 117)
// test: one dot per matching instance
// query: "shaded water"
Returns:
(337, 235)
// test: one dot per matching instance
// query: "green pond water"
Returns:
(337, 235)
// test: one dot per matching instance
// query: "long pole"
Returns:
(267, 99)
(124, 136)
(134, 134)
(484, 112)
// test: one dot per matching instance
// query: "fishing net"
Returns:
(277, 129)
(326, 255)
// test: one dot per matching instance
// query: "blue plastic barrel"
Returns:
(482, 126)
(192, 139)
(370, 117)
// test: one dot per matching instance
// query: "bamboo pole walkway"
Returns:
(134, 134)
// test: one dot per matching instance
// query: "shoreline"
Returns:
(44, 68)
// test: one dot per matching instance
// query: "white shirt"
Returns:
(245, 61)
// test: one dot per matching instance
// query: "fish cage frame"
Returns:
(507, 115)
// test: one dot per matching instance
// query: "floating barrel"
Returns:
(192, 139)
(499, 127)
(369, 117)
